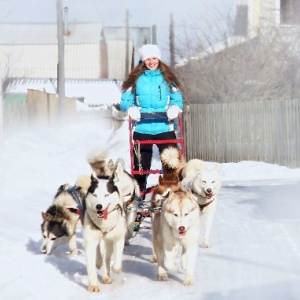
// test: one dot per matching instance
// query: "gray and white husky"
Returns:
(178, 224)
(205, 184)
(63, 217)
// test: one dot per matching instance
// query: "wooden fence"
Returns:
(39, 108)
(267, 131)
(45, 107)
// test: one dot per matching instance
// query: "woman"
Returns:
(151, 88)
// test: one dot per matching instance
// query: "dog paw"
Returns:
(154, 259)
(93, 289)
(74, 252)
(206, 245)
(188, 280)
(163, 276)
(117, 270)
(106, 280)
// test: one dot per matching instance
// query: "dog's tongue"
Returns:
(209, 196)
(182, 233)
(103, 213)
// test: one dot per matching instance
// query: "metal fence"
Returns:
(267, 131)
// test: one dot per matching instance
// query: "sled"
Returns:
(145, 209)
(134, 144)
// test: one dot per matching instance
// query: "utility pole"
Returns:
(127, 44)
(61, 59)
(154, 35)
(1, 114)
(172, 43)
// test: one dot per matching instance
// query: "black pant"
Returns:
(146, 152)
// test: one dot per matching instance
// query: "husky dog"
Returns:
(179, 225)
(104, 228)
(205, 184)
(125, 182)
(63, 217)
(169, 181)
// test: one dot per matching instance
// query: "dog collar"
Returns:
(131, 198)
(202, 206)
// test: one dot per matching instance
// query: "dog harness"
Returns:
(202, 206)
(75, 196)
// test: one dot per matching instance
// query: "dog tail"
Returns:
(97, 161)
(171, 160)
(83, 181)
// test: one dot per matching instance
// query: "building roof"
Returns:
(46, 33)
(93, 92)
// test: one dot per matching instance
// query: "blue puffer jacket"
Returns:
(153, 94)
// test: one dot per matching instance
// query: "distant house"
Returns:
(91, 50)
(253, 16)
(92, 93)
(260, 61)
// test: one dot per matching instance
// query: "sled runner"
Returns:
(144, 207)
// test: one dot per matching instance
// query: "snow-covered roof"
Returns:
(93, 92)
(46, 33)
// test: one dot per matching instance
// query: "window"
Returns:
(290, 12)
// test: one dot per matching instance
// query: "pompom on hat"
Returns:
(149, 50)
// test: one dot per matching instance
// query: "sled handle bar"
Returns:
(155, 115)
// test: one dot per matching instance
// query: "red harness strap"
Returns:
(74, 211)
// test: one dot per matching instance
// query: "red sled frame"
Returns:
(179, 140)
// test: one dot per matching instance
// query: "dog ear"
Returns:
(111, 165)
(44, 216)
(119, 168)
(61, 189)
(160, 179)
(94, 184)
(166, 194)
(120, 161)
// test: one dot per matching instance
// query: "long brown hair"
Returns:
(132, 78)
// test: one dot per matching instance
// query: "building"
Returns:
(92, 51)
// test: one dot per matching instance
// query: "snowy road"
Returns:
(255, 236)
(254, 253)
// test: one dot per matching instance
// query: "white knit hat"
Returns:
(149, 50)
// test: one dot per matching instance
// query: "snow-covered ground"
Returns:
(255, 238)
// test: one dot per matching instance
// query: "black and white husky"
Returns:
(125, 182)
(104, 230)
(62, 218)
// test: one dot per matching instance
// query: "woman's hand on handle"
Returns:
(134, 113)
(173, 111)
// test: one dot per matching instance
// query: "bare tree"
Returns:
(242, 69)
